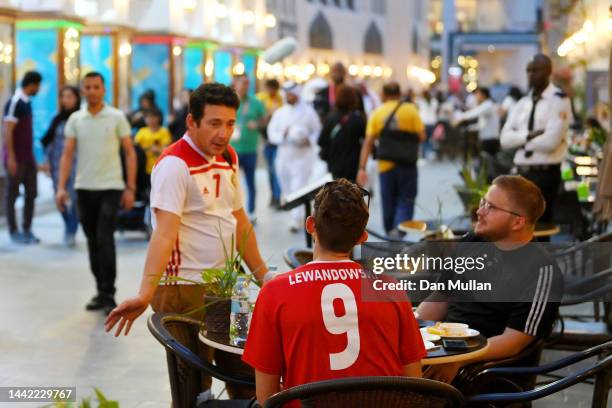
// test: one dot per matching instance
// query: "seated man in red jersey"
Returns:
(311, 324)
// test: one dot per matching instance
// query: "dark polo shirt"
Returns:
(18, 110)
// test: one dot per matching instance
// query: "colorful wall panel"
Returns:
(37, 50)
(250, 65)
(97, 55)
(151, 70)
(193, 67)
(223, 67)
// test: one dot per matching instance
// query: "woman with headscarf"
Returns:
(53, 141)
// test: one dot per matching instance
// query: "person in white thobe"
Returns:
(294, 128)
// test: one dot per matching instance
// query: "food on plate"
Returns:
(448, 329)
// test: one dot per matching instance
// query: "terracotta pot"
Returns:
(217, 316)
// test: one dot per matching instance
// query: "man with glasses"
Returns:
(316, 323)
(528, 283)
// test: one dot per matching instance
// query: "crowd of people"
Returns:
(196, 197)
(343, 123)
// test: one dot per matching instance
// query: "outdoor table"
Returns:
(478, 346)
(462, 224)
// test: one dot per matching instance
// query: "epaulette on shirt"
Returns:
(560, 94)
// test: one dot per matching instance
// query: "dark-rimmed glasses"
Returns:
(486, 206)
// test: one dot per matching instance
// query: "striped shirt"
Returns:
(204, 192)
(527, 287)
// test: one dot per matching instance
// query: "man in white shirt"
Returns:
(197, 207)
(488, 120)
(94, 134)
(294, 128)
(537, 126)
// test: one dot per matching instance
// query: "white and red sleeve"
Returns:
(169, 183)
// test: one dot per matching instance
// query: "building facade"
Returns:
(377, 40)
(485, 41)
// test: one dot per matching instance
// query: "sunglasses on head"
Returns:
(364, 192)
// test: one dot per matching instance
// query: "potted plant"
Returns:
(474, 187)
(219, 283)
(441, 231)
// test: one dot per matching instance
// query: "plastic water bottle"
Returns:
(240, 312)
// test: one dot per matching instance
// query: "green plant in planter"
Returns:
(474, 186)
(219, 282)
(441, 231)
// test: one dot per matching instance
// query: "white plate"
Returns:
(429, 336)
(468, 333)
(429, 345)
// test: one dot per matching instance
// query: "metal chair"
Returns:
(575, 332)
(587, 270)
(178, 353)
(470, 381)
(601, 370)
(367, 392)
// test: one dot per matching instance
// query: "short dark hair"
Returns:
(155, 112)
(525, 197)
(31, 77)
(392, 89)
(94, 74)
(340, 215)
(515, 93)
(211, 94)
(485, 91)
(272, 83)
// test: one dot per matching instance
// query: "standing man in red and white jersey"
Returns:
(197, 206)
(314, 323)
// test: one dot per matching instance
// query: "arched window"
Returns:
(373, 40)
(320, 34)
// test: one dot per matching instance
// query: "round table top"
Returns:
(220, 343)
(546, 230)
(478, 345)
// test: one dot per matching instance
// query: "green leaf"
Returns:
(99, 395)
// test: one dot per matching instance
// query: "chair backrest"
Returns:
(470, 383)
(585, 258)
(367, 392)
(163, 326)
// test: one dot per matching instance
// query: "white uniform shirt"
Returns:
(300, 123)
(488, 119)
(204, 192)
(552, 114)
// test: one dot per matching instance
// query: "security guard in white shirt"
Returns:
(538, 127)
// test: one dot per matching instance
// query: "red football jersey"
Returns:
(311, 324)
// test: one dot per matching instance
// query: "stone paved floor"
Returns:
(47, 338)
